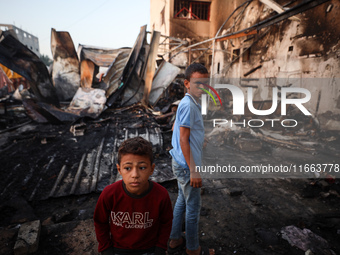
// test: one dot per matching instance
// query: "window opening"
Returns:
(192, 10)
(236, 54)
(246, 55)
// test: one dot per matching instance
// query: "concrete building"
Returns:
(187, 20)
(31, 41)
(257, 47)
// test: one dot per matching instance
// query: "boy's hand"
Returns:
(195, 180)
(205, 142)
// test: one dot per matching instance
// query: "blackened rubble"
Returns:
(20, 59)
(102, 78)
(70, 147)
(50, 161)
(245, 216)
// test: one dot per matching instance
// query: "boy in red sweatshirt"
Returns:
(134, 215)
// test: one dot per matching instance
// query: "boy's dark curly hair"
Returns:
(193, 68)
(136, 145)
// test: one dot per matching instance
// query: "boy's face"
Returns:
(195, 84)
(136, 170)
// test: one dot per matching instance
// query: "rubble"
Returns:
(306, 240)
(93, 82)
(28, 238)
(5, 84)
(78, 129)
(164, 76)
(248, 144)
(87, 102)
(84, 153)
(293, 142)
(26, 63)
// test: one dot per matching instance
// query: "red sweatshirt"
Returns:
(130, 222)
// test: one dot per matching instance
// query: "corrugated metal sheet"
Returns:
(97, 168)
(65, 70)
(165, 74)
(130, 89)
(42, 161)
(113, 75)
(100, 56)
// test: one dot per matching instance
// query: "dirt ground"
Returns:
(249, 223)
(238, 216)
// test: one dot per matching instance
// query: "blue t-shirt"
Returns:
(189, 116)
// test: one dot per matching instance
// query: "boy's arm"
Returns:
(102, 225)
(164, 226)
(195, 177)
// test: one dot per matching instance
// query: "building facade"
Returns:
(31, 41)
(261, 44)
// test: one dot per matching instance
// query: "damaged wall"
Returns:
(302, 50)
(162, 19)
(160, 16)
(159, 21)
(301, 53)
(192, 30)
(189, 28)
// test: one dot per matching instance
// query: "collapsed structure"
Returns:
(253, 45)
(128, 76)
(110, 83)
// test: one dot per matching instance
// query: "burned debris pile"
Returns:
(250, 132)
(89, 84)
(61, 133)
(78, 158)
(93, 88)
(61, 127)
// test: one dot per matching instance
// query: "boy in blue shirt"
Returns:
(187, 142)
